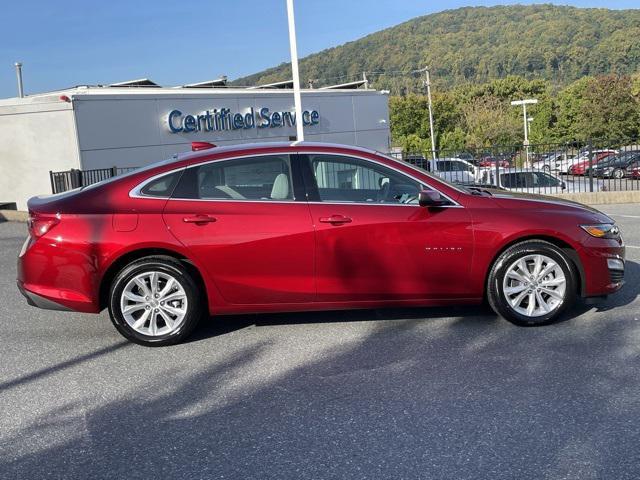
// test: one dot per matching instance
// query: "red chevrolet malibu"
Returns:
(296, 227)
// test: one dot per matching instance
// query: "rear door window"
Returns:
(265, 178)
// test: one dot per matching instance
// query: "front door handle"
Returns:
(335, 219)
(199, 219)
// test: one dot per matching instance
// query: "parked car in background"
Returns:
(492, 161)
(556, 162)
(302, 226)
(615, 166)
(581, 165)
(534, 181)
(633, 170)
(454, 170)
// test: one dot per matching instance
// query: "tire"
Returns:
(172, 309)
(514, 305)
(546, 168)
(617, 173)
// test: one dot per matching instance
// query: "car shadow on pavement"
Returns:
(224, 324)
(459, 398)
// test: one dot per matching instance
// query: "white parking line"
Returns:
(625, 216)
(632, 246)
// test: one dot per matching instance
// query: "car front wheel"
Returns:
(154, 301)
(531, 283)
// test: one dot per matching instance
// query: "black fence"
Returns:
(548, 168)
(70, 179)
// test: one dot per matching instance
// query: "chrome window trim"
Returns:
(136, 191)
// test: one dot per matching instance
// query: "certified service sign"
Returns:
(224, 119)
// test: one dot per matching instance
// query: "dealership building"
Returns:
(135, 123)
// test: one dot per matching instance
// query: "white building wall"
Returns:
(34, 138)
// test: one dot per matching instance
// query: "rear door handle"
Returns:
(199, 219)
(335, 219)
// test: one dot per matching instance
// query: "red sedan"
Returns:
(296, 227)
(581, 167)
(491, 162)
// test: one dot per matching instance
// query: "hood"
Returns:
(529, 201)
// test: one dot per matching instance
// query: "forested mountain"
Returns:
(477, 44)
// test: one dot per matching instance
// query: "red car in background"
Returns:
(304, 226)
(633, 170)
(491, 162)
(581, 167)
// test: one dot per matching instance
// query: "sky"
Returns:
(70, 42)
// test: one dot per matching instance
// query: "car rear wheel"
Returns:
(617, 173)
(154, 301)
(531, 283)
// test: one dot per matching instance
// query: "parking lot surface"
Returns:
(451, 393)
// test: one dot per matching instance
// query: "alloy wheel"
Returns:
(534, 285)
(154, 303)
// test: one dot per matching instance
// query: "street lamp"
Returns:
(294, 70)
(524, 103)
(529, 120)
(427, 83)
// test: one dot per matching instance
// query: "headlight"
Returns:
(603, 230)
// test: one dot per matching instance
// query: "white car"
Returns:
(555, 162)
(535, 181)
(454, 170)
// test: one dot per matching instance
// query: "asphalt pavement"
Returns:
(438, 393)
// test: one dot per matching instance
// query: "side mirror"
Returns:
(430, 198)
(564, 186)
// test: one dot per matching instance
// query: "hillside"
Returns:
(477, 44)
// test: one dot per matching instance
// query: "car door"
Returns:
(374, 242)
(246, 221)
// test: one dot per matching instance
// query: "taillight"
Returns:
(40, 224)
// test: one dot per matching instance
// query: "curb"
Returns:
(13, 216)
(602, 198)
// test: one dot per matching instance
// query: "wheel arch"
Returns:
(564, 246)
(132, 255)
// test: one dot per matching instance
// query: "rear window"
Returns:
(162, 186)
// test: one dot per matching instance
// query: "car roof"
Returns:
(268, 145)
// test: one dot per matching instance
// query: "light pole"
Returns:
(529, 120)
(427, 83)
(524, 103)
(18, 66)
(294, 69)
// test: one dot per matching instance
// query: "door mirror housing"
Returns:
(431, 198)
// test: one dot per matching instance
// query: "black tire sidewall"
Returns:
(171, 267)
(496, 295)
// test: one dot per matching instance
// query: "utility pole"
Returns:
(294, 68)
(524, 103)
(427, 83)
(18, 66)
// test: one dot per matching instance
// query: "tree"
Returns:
(490, 123)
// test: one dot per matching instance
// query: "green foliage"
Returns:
(477, 116)
(559, 44)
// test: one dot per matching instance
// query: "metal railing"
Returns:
(74, 178)
(547, 168)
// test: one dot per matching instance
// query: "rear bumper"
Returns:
(36, 300)
(56, 278)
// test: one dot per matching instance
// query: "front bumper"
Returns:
(603, 262)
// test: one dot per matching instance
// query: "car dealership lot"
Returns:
(403, 393)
